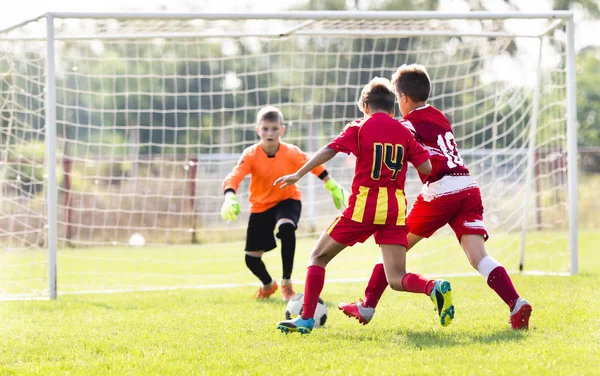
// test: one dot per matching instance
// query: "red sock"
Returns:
(412, 282)
(315, 279)
(499, 281)
(376, 286)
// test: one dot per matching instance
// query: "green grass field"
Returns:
(223, 331)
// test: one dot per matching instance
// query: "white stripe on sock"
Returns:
(486, 266)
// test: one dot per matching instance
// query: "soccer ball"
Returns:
(294, 309)
(137, 240)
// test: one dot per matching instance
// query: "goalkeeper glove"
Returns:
(339, 194)
(230, 208)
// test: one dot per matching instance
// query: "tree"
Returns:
(588, 96)
(590, 7)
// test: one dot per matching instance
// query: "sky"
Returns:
(20, 10)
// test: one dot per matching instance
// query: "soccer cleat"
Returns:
(265, 293)
(300, 325)
(287, 291)
(358, 311)
(519, 317)
(441, 296)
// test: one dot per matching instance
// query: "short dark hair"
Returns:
(269, 113)
(413, 81)
(379, 95)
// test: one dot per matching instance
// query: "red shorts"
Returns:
(348, 232)
(463, 211)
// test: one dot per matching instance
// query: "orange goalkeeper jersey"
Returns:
(265, 170)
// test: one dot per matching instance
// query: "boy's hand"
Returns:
(339, 194)
(287, 180)
(230, 208)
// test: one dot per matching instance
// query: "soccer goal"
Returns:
(118, 127)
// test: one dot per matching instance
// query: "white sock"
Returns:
(286, 282)
(486, 266)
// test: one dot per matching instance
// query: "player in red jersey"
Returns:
(449, 195)
(377, 205)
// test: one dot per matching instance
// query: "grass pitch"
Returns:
(222, 331)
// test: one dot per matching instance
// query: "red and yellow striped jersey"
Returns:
(265, 170)
(382, 146)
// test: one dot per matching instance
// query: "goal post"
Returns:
(116, 126)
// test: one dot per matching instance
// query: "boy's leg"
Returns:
(378, 281)
(287, 217)
(260, 239)
(425, 218)
(497, 279)
(325, 250)
(287, 234)
(393, 242)
(470, 229)
(256, 265)
(439, 291)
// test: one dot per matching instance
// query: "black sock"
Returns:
(258, 268)
(287, 234)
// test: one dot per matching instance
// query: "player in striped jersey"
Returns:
(383, 147)
(449, 195)
(270, 207)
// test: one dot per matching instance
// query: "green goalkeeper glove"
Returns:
(339, 194)
(230, 208)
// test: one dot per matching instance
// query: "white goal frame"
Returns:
(565, 18)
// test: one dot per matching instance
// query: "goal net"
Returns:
(152, 111)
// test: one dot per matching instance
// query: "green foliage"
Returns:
(369, 5)
(175, 91)
(588, 96)
(591, 7)
(408, 5)
(24, 170)
(223, 331)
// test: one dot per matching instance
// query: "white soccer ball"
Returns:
(294, 309)
(137, 240)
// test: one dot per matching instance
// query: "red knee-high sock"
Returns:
(376, 286)
(412, 282)
(315, 279)
(500, 281)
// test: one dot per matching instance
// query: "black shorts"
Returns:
(259, 236)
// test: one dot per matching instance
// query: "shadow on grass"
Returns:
(431, 339)
(272, 302)
(422, 339)
(98, 304)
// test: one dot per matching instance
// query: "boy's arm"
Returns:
(338, 193)
(239, 172)
(321, 156)
(231, 208)
(419, 157)
(425, 167)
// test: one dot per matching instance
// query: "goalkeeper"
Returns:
(271, 207)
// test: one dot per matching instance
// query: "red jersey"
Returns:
(382, 147)
(433, 130)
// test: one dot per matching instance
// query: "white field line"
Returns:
(13, 297)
